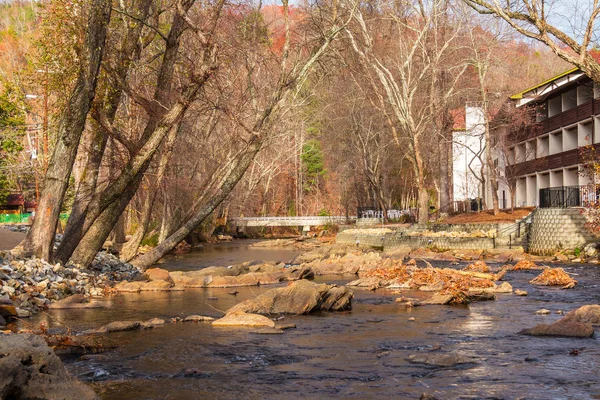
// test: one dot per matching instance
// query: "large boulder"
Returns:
(577, 323)
(300, 297)
(562, 327)
(29, 369)
(263, 274)
(589, 314)
(348, 264)
(135, 287)
(159, 274)
(155, 286)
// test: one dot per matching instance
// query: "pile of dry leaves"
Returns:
(554, 277)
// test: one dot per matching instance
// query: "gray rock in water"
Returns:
(152, 323)
(29, 369)
(578, 323)
(589, 314)
(119, 326)
(439, 299)
(198, 318)
(438, 359)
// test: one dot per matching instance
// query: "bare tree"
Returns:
(538, 19)
(40, 238)
(405, 79)
(292, 73)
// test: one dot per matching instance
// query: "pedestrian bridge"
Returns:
(306, 222)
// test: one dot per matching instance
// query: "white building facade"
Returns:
(547, 166)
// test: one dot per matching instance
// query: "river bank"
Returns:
(381, 347)
(378, 349)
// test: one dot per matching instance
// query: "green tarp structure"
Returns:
(23, 218)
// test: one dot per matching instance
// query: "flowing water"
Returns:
(362, 353)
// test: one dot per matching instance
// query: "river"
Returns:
(362, 353)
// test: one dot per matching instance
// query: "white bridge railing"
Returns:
(290, 221)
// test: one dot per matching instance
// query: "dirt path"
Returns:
(9, 239)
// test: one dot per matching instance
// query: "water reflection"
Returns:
(227, 253)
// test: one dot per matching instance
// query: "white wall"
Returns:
(556, 178)
(585, 134)
(543, 146)
(584, 179)
(520, 153)
(570, 177)
(530, 150)
(467, 144)
(569, 99)
(532, 190)
(556, 143)
(543, 180)
(554, 106)
(521, 192)
(585, 93)
(570, 138)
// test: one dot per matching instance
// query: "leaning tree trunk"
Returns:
(129, 51)
(156, 129)
(146, 260)
(95, 237)
(40, 238)
(130, 249)
(261, 127)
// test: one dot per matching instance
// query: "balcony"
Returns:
(571, 116)
(569, 196)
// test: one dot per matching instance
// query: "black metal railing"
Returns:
(569, 196)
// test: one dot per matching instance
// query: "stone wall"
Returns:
(368, 222)
(376, 241)
(438, 243)
(556, 229)
(391, 240)
(500, 228)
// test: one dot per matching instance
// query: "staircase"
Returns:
(516, 236)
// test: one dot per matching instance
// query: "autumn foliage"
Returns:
(453, 282)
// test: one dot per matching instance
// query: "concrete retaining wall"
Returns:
(368, 222)
(391, 240)
(556, 229)
(501, 228)
(376, 241)
(438, 243)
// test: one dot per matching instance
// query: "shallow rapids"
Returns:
(373, 351)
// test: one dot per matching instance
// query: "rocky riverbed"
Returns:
(395, 284)
(30, 285)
